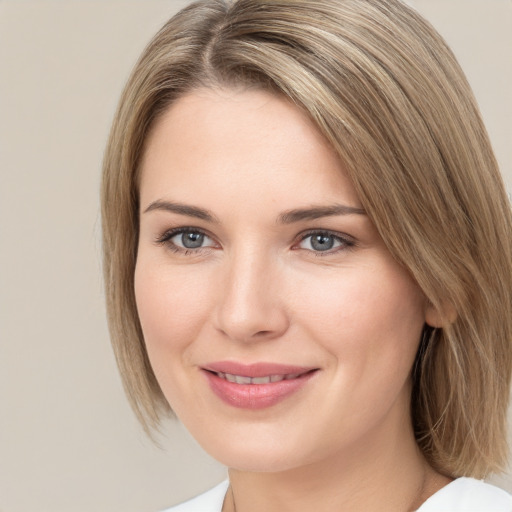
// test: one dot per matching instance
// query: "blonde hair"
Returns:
(388, 94)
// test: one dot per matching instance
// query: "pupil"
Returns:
(192, 240)
(322, 242)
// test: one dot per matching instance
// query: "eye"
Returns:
(321, 241)
(186, 239)
(190, 240)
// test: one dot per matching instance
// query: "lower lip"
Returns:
(255, 396)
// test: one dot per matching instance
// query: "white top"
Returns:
(468, 495)
(461, 495)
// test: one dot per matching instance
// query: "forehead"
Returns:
(246, 142)
(206, 119)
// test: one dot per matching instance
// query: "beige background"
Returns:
(68, 441)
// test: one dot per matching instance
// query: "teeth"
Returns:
(240, 379)
(260, 380)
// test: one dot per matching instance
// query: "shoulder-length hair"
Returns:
(387, 93)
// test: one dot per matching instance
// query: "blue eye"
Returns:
(183, 239)
(323, 242)
(189, 240)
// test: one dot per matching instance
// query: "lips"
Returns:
(255, 386)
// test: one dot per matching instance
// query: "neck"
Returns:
(386, 472)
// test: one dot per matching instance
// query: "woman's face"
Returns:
(278, 325)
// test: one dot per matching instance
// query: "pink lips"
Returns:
(255, 386)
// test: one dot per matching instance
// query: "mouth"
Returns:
(268, 379)
(256, 386)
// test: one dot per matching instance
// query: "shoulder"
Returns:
(210, 501)
(468, 495)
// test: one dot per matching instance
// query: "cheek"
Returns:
(170, 307)
(370, 324)
(371, 318)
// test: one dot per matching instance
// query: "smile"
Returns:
(256, 386)
(240, 379)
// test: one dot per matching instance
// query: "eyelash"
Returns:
(346, 242)
(165, 239)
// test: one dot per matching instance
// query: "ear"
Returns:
(435, 317)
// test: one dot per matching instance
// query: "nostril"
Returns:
(262, 333)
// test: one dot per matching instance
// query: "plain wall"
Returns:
(68, 440)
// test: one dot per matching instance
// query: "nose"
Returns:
(251, 305)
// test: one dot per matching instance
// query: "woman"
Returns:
(308, 257)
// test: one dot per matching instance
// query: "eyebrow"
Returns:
(287, 217)
(182, 209)
(316, 212)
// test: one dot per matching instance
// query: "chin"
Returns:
(263, 455)
(256, 461)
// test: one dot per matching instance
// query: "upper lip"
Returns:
(261, 369)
